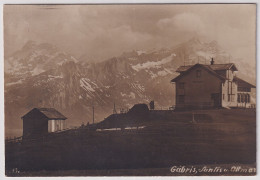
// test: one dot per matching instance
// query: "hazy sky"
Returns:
(103, 31)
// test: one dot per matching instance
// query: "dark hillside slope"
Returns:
(229, 138)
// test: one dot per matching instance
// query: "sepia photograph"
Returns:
(129, 90)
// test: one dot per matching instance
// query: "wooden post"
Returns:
(193, 119)
(93, 114)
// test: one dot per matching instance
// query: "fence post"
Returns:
(193, 119)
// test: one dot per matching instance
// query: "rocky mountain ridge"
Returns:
(40, 75)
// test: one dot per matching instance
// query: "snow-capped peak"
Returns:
(153, 64)
(139, 52)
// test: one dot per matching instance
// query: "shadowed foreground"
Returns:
(226, 139)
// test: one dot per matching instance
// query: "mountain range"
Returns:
(42, 75)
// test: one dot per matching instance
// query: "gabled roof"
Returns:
(242, 82)
(48, 113)
(183, 68)
(217, 67)
(214, 67)
(205, 67)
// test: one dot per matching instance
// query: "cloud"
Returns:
(113, 41)
(103, 31)
(187, 22)
(233, 27)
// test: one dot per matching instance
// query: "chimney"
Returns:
(212, 61)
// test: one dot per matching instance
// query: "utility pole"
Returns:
(93, 109)
(114, 110)
(184, 58)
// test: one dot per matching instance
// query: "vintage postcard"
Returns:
(130, 90)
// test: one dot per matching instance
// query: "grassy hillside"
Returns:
(214, 137)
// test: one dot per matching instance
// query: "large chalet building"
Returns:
(211, 86)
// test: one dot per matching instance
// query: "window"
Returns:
(238, 98)
(229, 97)
(248, 98)
(181, 85)
(223, 96)
(229, 87)
(181, 99)
(198, 73)
(242, 98)
(244, 89)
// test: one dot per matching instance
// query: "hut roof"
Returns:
(243, 83)
(214, 67)
(49, 113)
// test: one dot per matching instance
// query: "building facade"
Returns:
(211, 86)
(40, 121)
